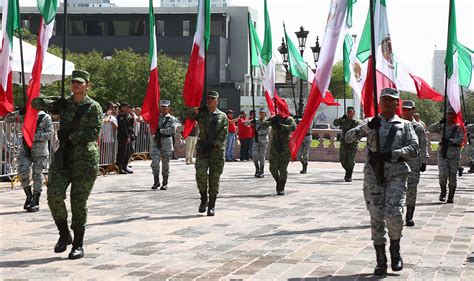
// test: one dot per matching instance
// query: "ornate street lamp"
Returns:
(283, 50)
(316, 50)
(302, 35)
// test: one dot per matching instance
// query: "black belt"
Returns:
(165, 136)
(398, 161)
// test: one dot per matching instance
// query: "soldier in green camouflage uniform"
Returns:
(347, 151)
(385, 175)
(280, 156)
(451, 141)
(76, 161)
(209, 149)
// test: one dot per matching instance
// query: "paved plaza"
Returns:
(319, 229)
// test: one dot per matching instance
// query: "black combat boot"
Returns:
(34, 206)
(260, 172)
(305, 168)
(29, 196)
(77, 250)
(442, 196)
(212, 205)
(156, 182)
(460, 171)
(165, 183)
(348, 176)
(471, 170)
(409, 216)
(64, 237)
(397, 262)
(257, 169)
(281, 187)
(203, 205)
(452, 190)
(381, 268)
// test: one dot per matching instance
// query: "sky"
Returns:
(417, 27)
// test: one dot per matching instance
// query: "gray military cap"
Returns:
(390, 92)
(165, 103)
(408, 104)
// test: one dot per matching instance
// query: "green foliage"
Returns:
(337, 82)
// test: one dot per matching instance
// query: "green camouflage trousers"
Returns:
(279, 163)
(81, 174)
(347, 154)
(384, 203)
(212, 162)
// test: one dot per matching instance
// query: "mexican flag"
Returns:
(323, 72)
(255, 45)
(465, 66)
(48, 10)
(194, 82)
(390, 72)
(150, 108)
(10, 23)
(268, 72)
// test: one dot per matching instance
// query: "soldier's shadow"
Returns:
(12, 213)
(246, 196)
(27, 263)
(318, 230)
(361, 276)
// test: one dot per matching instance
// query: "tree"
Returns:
(337, 82)
(430, 111)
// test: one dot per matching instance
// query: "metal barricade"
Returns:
(11, 138)
(142, 141)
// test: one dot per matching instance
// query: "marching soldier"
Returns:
(260, 145)
(75, 162)
(35, 159)
(303, 152)
(125, 138)
(210, 149)
(418, 164)
(282, 127)
(162, 145)
(385, 175)
(470, 139)
(347, 151)
(449, 154)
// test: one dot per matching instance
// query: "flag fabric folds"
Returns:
(48, 9)
(150, 107)
(323, 72)
(194, 82)
(465, 66)
(10, 23)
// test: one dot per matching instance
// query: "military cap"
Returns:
(124, 104)
(165, 103)
(450, 109)
(390, 92)
(350, 108)
(212, 94)
(81, 76)
(230, 111)
(408, 104)
(262, 109)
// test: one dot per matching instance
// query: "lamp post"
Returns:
(283, 50)
(316, 50)
(302, 35)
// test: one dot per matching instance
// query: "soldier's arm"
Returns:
(222, 134)
(289, 127)
(470, 128)
(337, 122)
(435, 128)
(91, 131)
(410, 144)
(170, 127)
(267, 123)
(458, 137)
(47, 132)
(423, 143)
(45, 103)
(356, 133)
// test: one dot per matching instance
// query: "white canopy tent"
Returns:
(52, 65)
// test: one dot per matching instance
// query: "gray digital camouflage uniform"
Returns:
(259, 149)
(163, 150)
(384, 201)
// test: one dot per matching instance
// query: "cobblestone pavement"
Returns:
(319, 229)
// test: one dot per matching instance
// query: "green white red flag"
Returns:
(194, 82)
(48, 9)
(10, 23)
(150, 107)
(466, 66)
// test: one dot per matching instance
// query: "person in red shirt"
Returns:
(252, 131)
(245, 136)
(229, 148)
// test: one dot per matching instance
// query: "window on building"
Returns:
(160, 27)
(186, 25)
(95, 28)
(76, 28)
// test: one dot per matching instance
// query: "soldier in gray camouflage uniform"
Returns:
(418, 164)
(450, 143)
(303, 152)
(259, 149)
(470, 139)
(385, 175)
(36, 159)
(161, 145)
(210, 146)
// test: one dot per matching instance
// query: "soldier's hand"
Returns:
(423, 167)
(196, 109)
(276, 121)
(22, 111)
(444, 141)
(63, 135)
(443, 121)
(344, 116)
(374, 123)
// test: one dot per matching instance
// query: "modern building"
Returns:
(110, 28)
(88, 3)
(192, 3)
(437, 70)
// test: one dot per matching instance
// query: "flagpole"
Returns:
(63, 78)
(374, 71)
(252, 86)
(444, 154)
(463, 104)
(205, 54)
(288, 69)
(21, 56)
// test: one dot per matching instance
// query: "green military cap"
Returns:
(390, 92)
(81, 76)
(350, 108)
(212, 94)
(408, 104)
